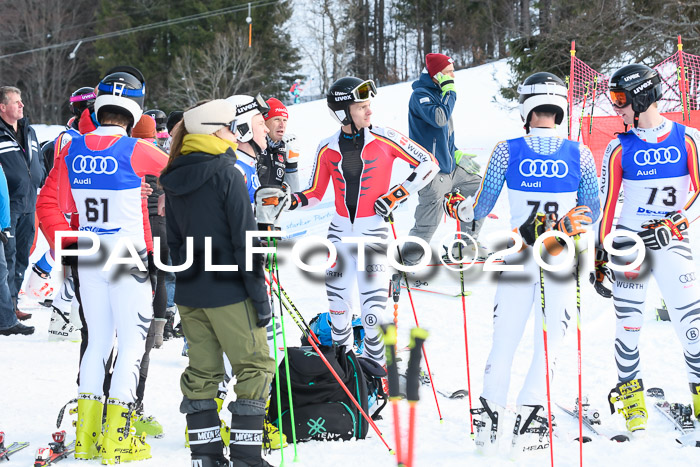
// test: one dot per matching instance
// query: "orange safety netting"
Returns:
(591, 115)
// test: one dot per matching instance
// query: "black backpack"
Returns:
(322, 409)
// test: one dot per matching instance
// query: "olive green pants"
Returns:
(229, 330)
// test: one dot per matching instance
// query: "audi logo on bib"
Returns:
(543, 168)
(654, 156)
(97, 165)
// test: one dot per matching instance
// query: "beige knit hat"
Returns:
(209, 117)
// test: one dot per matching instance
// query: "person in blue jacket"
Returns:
(8, 319)
(430, 125)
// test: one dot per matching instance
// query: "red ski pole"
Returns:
(546, 365)
(390, 340)
(418, 336)
(415, 317)
(466, 337)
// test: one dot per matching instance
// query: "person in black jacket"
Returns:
(222, 311)
(22, 162)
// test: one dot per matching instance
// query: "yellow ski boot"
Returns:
(634, 409)
(120, 443)
(271, 435)
(695, 390)
(88, 426)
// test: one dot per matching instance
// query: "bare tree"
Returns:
(44, 76)
(215, 72)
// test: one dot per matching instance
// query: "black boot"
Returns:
(169, 323)
(203, 430)
(247, 433)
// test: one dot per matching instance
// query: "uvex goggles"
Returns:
(619, 98)
(364, 91)
(231, 126)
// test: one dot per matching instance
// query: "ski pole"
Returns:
(390, 340)
(277, 370)
(296, 311)
(580, 385)
(286, 359)
(352, 399)
(415, 316)
(583, 108)
(305, 330)
(546, 363)
(395, 292)
(418, 337)
(466, 337)
(590, 121)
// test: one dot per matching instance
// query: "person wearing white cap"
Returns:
(222, 312)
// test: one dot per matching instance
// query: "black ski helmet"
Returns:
(635, 84)
(344, 92)
(78, 105)
(543, 92)
(160, 118)
(121, 91)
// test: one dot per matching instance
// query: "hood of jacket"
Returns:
(425, 81)
(198, 165)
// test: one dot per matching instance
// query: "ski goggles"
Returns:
(364, 91)
(258, 103)
(231, 126)
(619, 99)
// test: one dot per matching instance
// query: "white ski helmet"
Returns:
(543, 92)
(246, 108)
(122, 91)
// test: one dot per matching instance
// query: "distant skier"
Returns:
(295, 91)
(655, 163)
(547, 174)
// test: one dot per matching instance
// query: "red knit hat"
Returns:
(277, 109)
(145, 128)
(435, 63)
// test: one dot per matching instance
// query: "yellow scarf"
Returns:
(209, 144)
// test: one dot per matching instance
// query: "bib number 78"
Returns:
(550, 207)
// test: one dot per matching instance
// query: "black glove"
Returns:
(658, 233)
(601, 273)
(264, 314)
(5, 236)
(535, 225)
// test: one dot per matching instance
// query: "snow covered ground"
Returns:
(39, 377)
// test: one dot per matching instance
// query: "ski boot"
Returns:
(634, 409)
(147, 424)
(88, 426)
(695, 390)
(271, 435)
(61, 329)
(39, 284)
(120, 443)
(488, 427)
(531, 430)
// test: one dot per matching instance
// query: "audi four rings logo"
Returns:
(685, 278)
(543, 168)
(654, 156)
(97, 165)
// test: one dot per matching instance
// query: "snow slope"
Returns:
(39, 377)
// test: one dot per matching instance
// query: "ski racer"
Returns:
(547, 174)
(99, 177)
(359, 159)
(655, 163)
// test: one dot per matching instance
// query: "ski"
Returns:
(56, 451)
(5, 451)
(680, 415)
(592, 419)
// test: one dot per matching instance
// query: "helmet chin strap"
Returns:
(636, 119)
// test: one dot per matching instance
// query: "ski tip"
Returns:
(620, 438)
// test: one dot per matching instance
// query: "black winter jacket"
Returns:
(206, 196)
(21, 159)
